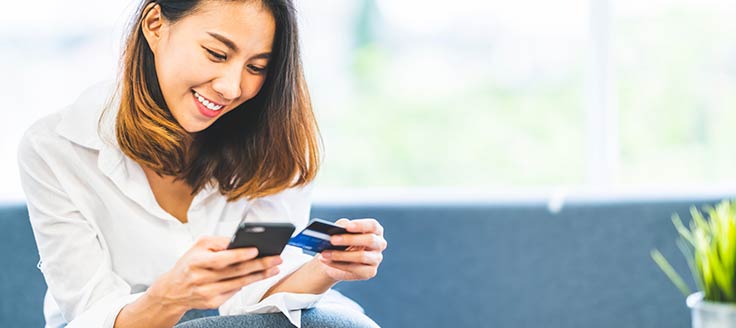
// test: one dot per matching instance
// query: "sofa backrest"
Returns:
(21, 283)
(514, 264)
(522, 265)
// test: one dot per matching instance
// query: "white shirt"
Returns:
(102, 237)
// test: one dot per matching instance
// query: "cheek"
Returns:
(180, 70)
(253, 85)
(165, 80)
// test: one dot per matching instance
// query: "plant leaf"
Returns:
(688, 254)
(670, 272)
(684, 232)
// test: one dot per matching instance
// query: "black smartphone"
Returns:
(269, 237)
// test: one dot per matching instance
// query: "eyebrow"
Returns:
(230, 44)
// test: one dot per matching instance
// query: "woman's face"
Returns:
(211, 61)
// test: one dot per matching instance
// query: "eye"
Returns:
(256, 69)
(218, 56)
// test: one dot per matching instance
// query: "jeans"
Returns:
(325, 314)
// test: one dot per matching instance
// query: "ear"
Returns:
(152, 24)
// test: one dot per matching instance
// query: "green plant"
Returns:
(709, 246)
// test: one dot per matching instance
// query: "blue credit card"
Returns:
(316, 236)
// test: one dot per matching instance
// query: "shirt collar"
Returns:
(80, 122)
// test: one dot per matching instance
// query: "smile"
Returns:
(207, 103)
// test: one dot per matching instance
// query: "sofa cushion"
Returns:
(495, 264)
(21, 283)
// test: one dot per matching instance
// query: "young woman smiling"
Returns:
(134, 190)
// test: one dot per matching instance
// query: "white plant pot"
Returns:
(710, 314)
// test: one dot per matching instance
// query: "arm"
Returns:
(77, 265)
(293, 204)
(74, 260)
(206, 276)
(310, 278)
(148, 311)
(359, 262)
(305, 278)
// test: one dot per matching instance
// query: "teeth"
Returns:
(206, 103)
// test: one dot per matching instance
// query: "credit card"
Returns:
(316, 236)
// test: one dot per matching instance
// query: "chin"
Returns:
(195, 126)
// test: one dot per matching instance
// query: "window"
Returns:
(417, 93)
(675, 73)
(477, 94)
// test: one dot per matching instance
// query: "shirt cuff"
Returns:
(290, 304)
(104, 313)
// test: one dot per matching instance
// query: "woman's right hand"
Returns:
(208, 274)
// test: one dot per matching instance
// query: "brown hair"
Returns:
(266, 145)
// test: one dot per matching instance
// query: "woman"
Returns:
(134, 190)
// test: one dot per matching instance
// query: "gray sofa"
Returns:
(472, 264)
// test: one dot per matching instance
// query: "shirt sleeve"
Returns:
(74, 258)
(294, 204)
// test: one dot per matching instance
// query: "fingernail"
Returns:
(326, 255)
(336, 239)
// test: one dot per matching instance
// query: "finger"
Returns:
(342, 222)
(367, 240)
(227, 285)
(358, 257)
(363, 271)
(365, 226)
(248, 267)
(213, 243)
(225, 258)
(221, 299)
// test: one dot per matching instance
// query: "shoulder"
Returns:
(39, 135)
(73, 125)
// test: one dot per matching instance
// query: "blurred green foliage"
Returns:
(674, 79)
(676, 96)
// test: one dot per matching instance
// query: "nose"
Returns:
(228, 84)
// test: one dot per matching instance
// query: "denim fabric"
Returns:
(325, 316)
(196, 314)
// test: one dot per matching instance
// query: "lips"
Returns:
(206, 107)
(207, 102)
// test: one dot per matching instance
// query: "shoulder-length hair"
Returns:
(266, 145)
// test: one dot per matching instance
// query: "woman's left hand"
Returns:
(364, 254)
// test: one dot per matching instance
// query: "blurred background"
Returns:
(453, 99)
